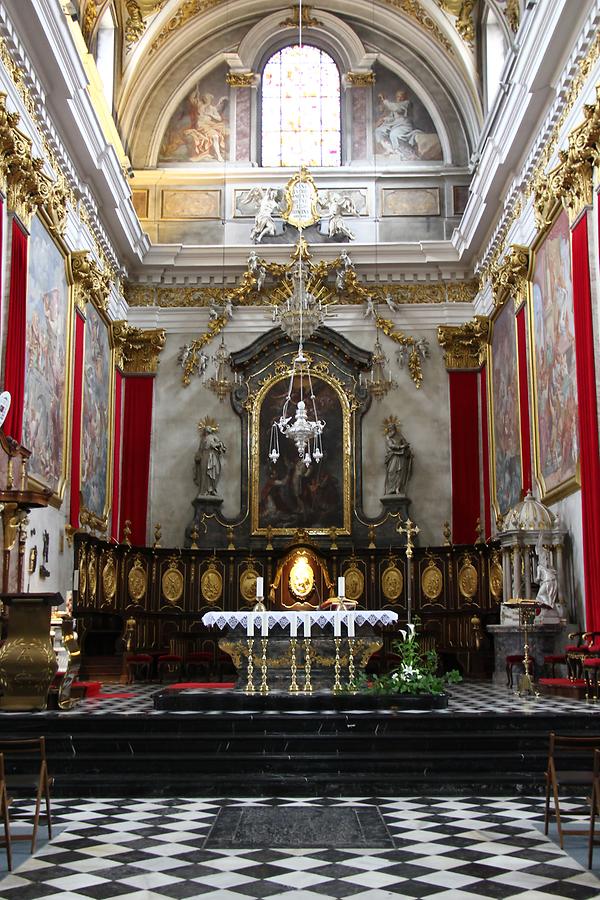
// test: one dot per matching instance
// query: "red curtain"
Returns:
(77, 411)
(135, 464)
(464, 431)
(114, 527)
(1, 253)
(588, 422)
(14, 363)
(524, 401)
(485, 453)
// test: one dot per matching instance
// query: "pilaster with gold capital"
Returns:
(509, 277)
(90, 283)
(137, 349)
(465, 345)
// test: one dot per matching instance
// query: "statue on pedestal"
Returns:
(207, 461)
(398, 458)
(546, 576)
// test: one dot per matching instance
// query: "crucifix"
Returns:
(410, 530)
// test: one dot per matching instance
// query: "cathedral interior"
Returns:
(299, 446)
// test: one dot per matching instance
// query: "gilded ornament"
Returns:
(360, 79)
(513, 14)
(186, 11)
(414, 9)
(392, 583)
(463, 11)
(509, 278)
(293, 21)
(467, 578)
(248, 584)
(82, 572)
(172, 583)
(137, 349)
(90, 282)
(137, 580)
(496, 581)
(240, 79)
(135, 25)
(92, 575)
(301, 199)
(411, 345)
(211, 584)
(302, 578)
(355, 582)
(432, 581)
(465, 346)
(109, 578)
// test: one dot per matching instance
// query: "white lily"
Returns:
(403, 633)
(411, 628)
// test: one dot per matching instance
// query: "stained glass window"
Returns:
(301, 109)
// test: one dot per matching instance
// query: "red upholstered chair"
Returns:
(138, 667)
(203, 659)
(555, 659)
(171, 663)
(587, 644)
(591, 666)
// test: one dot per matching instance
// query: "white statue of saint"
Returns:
(546, 576)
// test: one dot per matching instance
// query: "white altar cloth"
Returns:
(293, 621)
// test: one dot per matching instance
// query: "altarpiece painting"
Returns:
(288, 495)
(47, 360)
(554, 376)
(504, 391)
(96, 415)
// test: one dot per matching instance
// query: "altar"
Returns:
(316, 650)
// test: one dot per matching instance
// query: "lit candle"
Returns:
(350, 624)
(260, 590)
(264, 625)
(341, 586)
(337, 624)
(250, 625)
(293, 624)
(306, 623)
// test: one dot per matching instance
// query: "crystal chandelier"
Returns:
(223, 381)
(305, 432)
(377, 383)
(300, 303)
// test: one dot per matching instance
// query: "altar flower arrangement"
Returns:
(416, 672)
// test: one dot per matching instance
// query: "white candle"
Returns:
(341, 586)
(260, 590)
(306, 623)
(293, 624)
(337, 624)
(350, 624)
(250, 625)
(264, 625)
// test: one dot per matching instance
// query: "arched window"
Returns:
(495, 55)
(105, 54)
(301, 120)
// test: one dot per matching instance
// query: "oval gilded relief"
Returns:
(468, 580)
(172, 584)
(211, 584)
(109, 578)
(137, 581)
(392, 583)
(82, 572)
(496, 581)
(432, 581)
(248, 585)
(92, 572)
(302, 578)
(355, 583)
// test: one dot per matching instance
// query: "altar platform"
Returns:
(487, 740)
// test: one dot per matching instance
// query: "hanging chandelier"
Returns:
(300, 302)
(223, 381)
(378, 384)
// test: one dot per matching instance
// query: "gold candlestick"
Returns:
(264, 687)
(307, 681)
(351, 663)
(250, 682)
(293, 667)
(337, 685)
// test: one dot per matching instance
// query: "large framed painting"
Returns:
(504, 407)
(556, 423)
(288, 495)
(96, 420)
(47, 360)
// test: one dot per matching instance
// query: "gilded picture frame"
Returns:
(48, 360)
(97, 420)
(553, 376)
(506, 452)
(341, 443)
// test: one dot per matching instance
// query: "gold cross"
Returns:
(409, 529)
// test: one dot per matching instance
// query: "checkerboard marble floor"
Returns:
(469, 697)
(443, 849)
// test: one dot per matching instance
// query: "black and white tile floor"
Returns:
(443, 849)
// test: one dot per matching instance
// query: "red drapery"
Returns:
(77, 410)
(524, 401)
(1, 249)
(485, 453)
(114, 528)
(464, 431)
(588, 423)
(14, 363)
(135, 464)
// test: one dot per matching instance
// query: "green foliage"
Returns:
(416, 672)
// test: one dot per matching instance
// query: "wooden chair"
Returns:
(570, 764)
(4, 814)
(26, 771)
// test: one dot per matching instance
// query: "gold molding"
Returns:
(186, 11)
(414, 10)
(90, 282)
(509, 278)
(293, 21)
(465, 346)
(462, 10)
(414, 357)
(134, 25)
(137, 349)
(360, 79)
(240, 79)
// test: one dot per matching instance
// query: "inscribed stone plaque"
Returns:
(191, 204)
(411, 202)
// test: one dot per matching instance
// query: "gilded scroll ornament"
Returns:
(496, 579)
(248, 584)
(463, 11)
(392, 583)
(137, 349)
(360, 79)
(432, 581)
(134, 25)
(302, 578)
(82, 572)
(509, 278)
(186, 11)
(293, 21)
(240, 79)
(109, 578)
(137, 580)
(414, 10)
(92, 575)
(172, 583)
(465, 346)
(90, 282)
(467, 578)
(211, 583)
(355, 582)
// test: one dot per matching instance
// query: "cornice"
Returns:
(509, 278)
(137, 349)
(465, 346)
